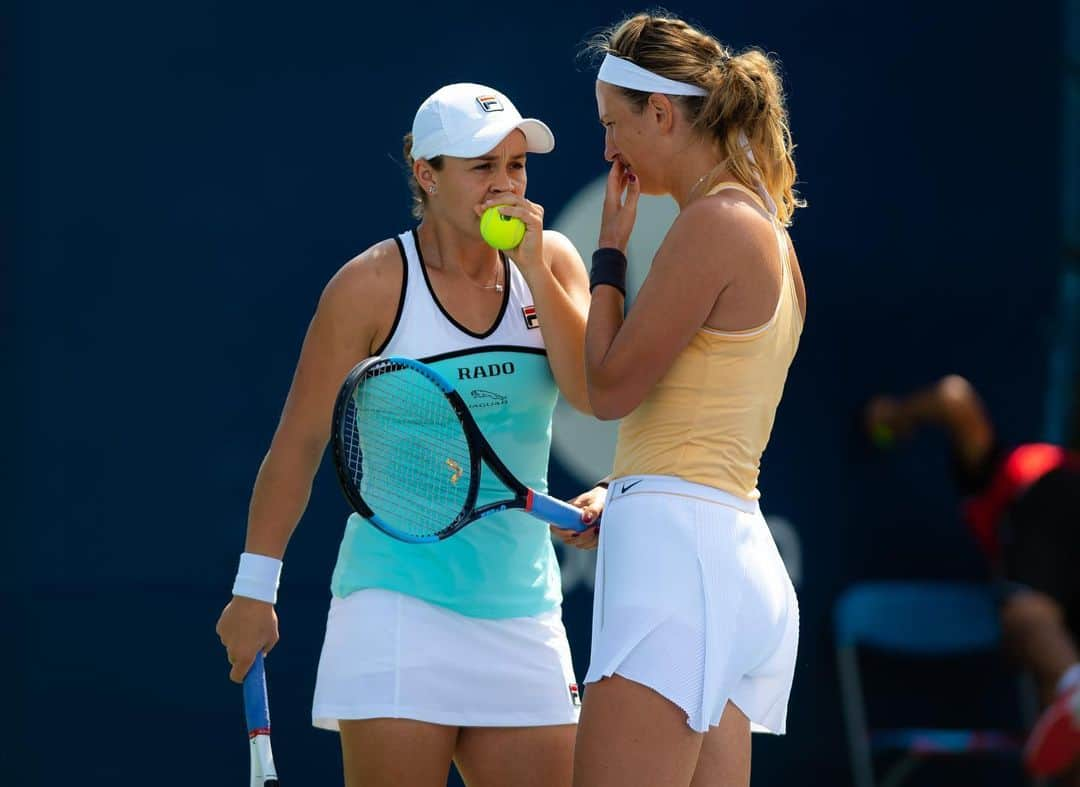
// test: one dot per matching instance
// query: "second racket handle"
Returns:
(556, 512)
(256, 706)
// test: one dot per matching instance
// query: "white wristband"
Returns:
(257, 577)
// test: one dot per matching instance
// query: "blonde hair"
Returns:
(419, 196)
(745, 96)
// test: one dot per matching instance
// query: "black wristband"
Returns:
(608, 267)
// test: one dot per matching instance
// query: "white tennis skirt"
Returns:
(693, 601)
(389, 655)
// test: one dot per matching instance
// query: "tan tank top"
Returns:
(709, 418)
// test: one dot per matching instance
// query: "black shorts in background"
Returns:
(1041, 540)
(972, 480)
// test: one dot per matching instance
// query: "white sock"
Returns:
(1069, 679)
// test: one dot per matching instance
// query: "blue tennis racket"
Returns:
(257, 711)
(408, 455)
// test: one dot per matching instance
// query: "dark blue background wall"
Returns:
(186, 177)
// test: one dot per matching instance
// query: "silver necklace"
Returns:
(496, 285)
(702, 179)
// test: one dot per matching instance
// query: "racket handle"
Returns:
(555, 511)
(256, 705)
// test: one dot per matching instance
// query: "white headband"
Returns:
(623, 73)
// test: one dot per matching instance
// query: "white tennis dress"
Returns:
(467, 631)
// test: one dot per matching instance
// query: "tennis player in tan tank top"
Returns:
(695, 370)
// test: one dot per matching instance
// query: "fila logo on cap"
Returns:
(489, 103)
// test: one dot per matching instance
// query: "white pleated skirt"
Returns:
(389, 655)
(693, 600)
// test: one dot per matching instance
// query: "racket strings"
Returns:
(407, 451)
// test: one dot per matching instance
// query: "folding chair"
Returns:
(928, 619)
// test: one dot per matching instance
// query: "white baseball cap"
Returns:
(466, 120)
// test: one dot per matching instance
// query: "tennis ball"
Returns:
(502, 232)
(882, 436)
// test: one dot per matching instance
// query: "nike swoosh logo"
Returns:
(631, 485)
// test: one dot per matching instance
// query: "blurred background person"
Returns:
(1022, 505)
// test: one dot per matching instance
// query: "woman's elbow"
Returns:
(606, 405)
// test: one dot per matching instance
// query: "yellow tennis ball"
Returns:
(502, 232)
(882, 436)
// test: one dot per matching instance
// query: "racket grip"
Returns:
(556, 512)
(256, 705)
